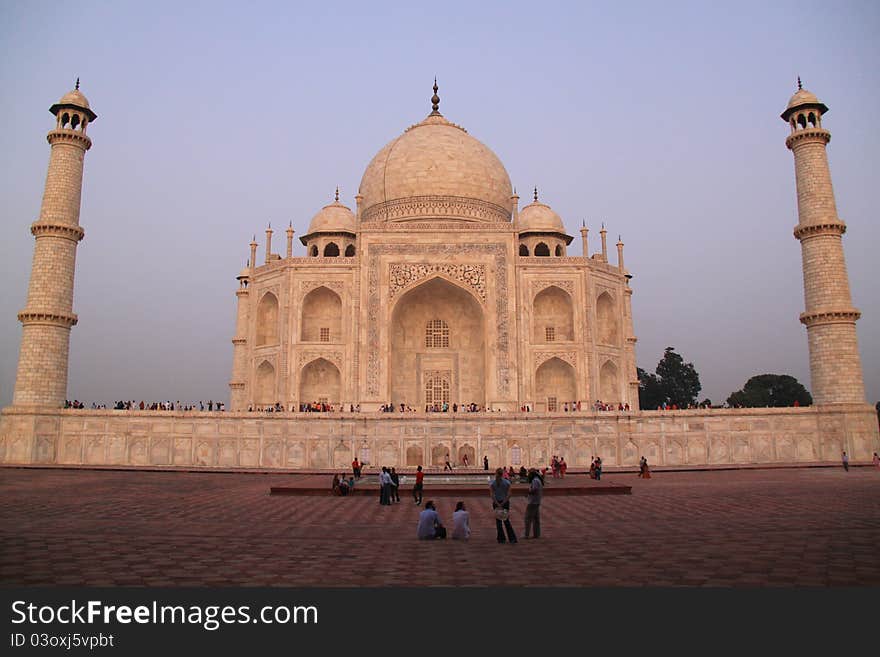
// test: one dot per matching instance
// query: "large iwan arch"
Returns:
(414, 358)
(267, 320)
(609, 388)
(264, 388)
(606, 320)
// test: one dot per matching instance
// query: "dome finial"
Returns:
(77, 84)
(536, 194)
(800, 86)
(337, 193)
(435, 99)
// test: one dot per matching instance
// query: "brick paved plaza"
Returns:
(745, 528)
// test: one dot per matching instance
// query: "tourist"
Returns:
(356, 468)
(598, 467)
(344, 486)
(876, 460)
(419, 485)
(845, 460)
(395, 485)
(644, 470)
(461, 528)
(430, 526)
(485, 462)
(523, 473)
(335, 485)
(464, 459)
(499, 490)
(563, 466)
(384, 487)
(448, 465)
(533, 507)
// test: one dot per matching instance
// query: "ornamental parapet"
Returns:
(74, 137)
(815, 230)
(238, 341)
(808, 135)
(816, 318)
(64, 320)
(436, 206)
(236, 385)
(241, 292)
(42, 228)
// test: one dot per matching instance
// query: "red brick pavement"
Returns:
(742, 528)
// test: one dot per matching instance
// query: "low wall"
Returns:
(318, 441)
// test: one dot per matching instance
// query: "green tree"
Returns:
(773, 390)
(675, 382)
(650, 392)
(680, 381)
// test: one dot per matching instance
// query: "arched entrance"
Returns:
(555, 384)
(437, 340)
(319, 382)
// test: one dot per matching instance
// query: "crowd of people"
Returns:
(134, 405)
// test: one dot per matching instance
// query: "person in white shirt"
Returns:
(461, 528)
(430, 526)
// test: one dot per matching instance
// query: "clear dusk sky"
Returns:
(214, 118)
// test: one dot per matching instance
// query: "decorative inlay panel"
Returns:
(542, 357)
(538, 286)
(402, 276)
(307, 286)
(334, 357)
(435, 206)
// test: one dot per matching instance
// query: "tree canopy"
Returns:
(674, 383)
(773, 390)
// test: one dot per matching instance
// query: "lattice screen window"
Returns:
(516, 455)
(437, 390)
(325, 335)
(550, 334)
(437, 334)
(551, 404)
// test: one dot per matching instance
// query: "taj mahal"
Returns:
(438, 291)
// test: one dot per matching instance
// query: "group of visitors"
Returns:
(599, 405)
(558, 466)
(389, 486)
(343, 486)
(644, 470)
(132, 405)
(431, 527)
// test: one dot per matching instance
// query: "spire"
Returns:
(536, 194)
(435, 99)
(800, 86)
(77, 84)
(337, 193)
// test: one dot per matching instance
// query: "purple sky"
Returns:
(661, 119)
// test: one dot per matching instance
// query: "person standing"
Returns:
(533, 507)
(419, 485)
(384, 487)
(356, 468)
(448, 465)
(876, 460)
(485, 462)
(395, 485)
(499, 490)
(430, 526)
(461, 527)
(845, 460)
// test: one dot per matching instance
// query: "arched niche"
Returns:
(321, 309)
(555, 382)
(320, 381)
(349, 251)
(523, 250)
(552, 308)
(606, 320)
(267, 320)
(467, 450)
(609, 390)
(542, 249)
(264, 384)
(331, 250)
(412, 360)
(414, 456)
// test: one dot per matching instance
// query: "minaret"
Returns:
(835, 367)
(604, 235)
(585, 246)
(48, 315)
(269, 243)
(239, 342)
(290, 232)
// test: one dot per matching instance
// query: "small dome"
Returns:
(333, 218)
(802, 97)
(244, 273)
(538, 217)
(75, 97)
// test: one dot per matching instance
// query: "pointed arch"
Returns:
(606, 320)
(609, 390)
(552, 308)
(349, 251)
(555, 384)
(267, 320)
(264, 388)
(542, 249)
(331, 250)
(523, 250)
(558, 251)
(415, 455)
(320, 380)
(321, 309)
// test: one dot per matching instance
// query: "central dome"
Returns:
(436, 171)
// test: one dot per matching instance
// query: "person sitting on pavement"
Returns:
(430, 526)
